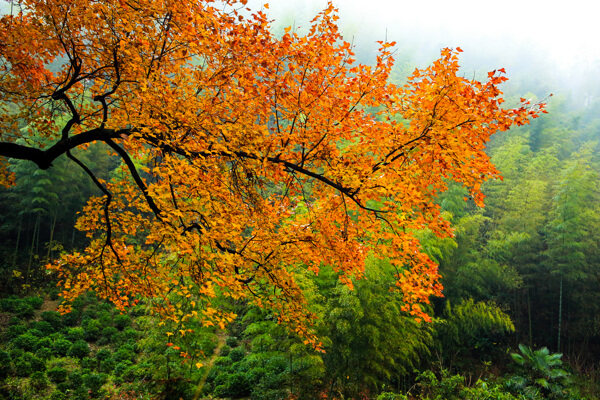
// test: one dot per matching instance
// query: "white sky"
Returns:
(568, 32)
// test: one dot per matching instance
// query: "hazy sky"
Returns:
(556, 39)
(567, 33)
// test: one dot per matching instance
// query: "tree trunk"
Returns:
(15, 256)
(559, 313)
(52, 226)
(529, 317)
(36, 228)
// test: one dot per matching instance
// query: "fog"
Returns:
(545, 46)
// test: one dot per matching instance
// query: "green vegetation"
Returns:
(519, 320)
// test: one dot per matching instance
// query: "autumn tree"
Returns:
(245, 156)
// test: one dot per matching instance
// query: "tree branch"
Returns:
(44, 158)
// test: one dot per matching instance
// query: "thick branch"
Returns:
(44, 158)
(136, 177)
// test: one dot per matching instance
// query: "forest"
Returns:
(199, 202)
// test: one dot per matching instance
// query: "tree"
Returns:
(245, 156)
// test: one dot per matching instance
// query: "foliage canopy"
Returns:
(246, 157)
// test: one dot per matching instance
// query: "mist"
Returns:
(545, 47)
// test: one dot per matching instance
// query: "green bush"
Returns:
(88, 363)
(453, 387)
(4, 364)
(43, 353)
(109, 333)
(79, 349)
(391, 396)
(238, 385)
(131, 373)
(121, 367)
(16, 353)
(124, 353)
(35, 302)
(79, 303)
(21, 307)
(57, 374)
(63, 387)
(105, 318)
(74, 334)
(58, 395)
(231, 341)
(14, 330)
(75, 380)
(44, 327)
(72, 318)
(128, 334)
(107, 365)
(94, 381)
(61, 347)
(222, 361)
(122, 321)
(542, 375)
(45, 342)
(26, 341)
(38, 380)
(53, 318)
(92, 330)
(23, 366)
(103, 354)
(237, 354)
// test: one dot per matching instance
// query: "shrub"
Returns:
(89, 313)
(4, 364)
(38, 380)
(103, 354)
(541, 372)
(74, 334)
(131, 373)
(122, 321)
(26, 341)
(107, 365)
(231, 341)
(75, 380)
(225, 350)
(222, 361)
(88, 363)
(391, 396)
(35, 302)
(72, 318)
(21, 307)
(44, 342)
(23, 367)
(58, 395)
(79, 349)
(24, 311)
(36, 363)
(57, 374)
(44, 327)
(53, 318)
(237, 354)
(238, 385)
(14, 330)
(92, 329)
(61, 347)
(123, 354)
(43, 353)
(121, 367)
(94, 381)
(79, 303)
(126, 335)
(109, 333)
